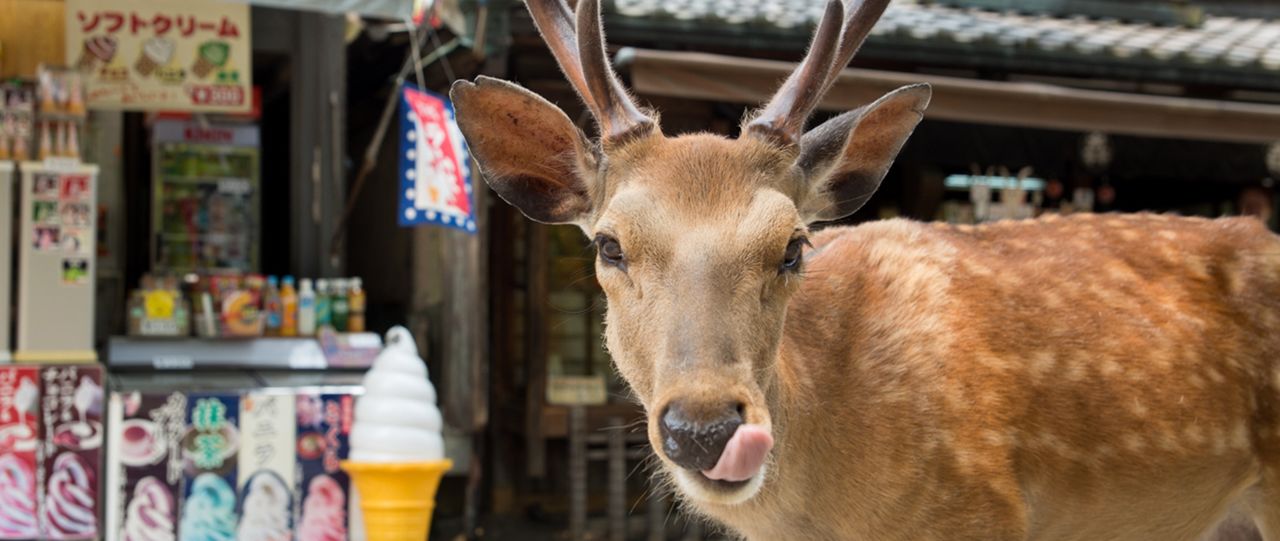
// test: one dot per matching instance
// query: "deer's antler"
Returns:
(834, 44)
(580, 50)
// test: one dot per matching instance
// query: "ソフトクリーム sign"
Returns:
(173, 56)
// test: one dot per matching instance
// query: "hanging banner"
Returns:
(147, 55)
(435, 171)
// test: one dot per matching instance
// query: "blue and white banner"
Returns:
(435, 168)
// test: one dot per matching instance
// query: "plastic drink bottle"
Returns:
(306, 309)
(288, 308)
(324, 304)
(356, 303)
(271, 308)
(340, 305)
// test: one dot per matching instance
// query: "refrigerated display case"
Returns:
(206, 198)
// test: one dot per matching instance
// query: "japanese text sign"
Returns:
(435, 173)
(141, 55)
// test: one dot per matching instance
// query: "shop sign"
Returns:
(576, 390)
(435, 170)
(173, 56)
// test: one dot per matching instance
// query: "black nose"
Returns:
(694, 437)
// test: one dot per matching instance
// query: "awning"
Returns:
(1020, 104)
(397, 10)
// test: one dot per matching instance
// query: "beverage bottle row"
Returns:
(299, 309)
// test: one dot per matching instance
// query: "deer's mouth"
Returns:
(738, 473)
(743, 456)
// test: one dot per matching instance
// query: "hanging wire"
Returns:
(414, 63)
(413, 53)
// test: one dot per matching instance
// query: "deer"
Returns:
(1079, 377)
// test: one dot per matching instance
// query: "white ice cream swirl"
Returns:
(266, 510)
(396, 419)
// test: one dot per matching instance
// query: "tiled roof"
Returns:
(1222, 47)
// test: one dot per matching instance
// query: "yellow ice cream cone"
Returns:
(397, 497)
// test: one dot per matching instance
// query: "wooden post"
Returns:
(657, 512)
(536, 354)
(577, 473)
(617, 480)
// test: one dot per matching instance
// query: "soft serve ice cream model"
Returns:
(397, 451)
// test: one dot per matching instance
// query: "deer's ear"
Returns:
(528, 149)
(845, 158)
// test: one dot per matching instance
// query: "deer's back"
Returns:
(1108, 356)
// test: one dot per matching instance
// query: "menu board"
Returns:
(144, 55)
(56, 263)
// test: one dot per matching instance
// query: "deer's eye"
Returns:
(610, 251)
(795, 252)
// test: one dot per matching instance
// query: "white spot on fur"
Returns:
(1240, 437)
(1215, 375)
(1218, 438)
(1194, 434)
(1042, 364)
(1077, 371)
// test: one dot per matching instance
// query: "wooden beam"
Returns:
(1032, 105)
(32, 32)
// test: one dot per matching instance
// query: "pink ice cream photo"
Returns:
(17, 498)
(150, 513)
(69, 499)
(324, 511)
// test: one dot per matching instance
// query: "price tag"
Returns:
(159, 327)
(234, 186)
(172, 362)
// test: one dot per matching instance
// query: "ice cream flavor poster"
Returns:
(19, 437)
(149, 437)
(139, 55)
(209, 450)
(324, 427)
(71, 414)
(268, 464)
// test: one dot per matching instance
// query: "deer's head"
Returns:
(700, 238)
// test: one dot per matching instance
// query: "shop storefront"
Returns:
(188, 343)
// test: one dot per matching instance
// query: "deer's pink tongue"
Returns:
(743, 455)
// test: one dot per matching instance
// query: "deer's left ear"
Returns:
(845, 158)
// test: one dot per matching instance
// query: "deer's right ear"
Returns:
(528, 149)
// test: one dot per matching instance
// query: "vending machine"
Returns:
(205, 211)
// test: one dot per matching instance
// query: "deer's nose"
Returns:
(694, 437)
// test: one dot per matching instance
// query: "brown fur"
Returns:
(1089, 377)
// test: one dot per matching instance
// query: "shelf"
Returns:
(202, 180)
(185, 353)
